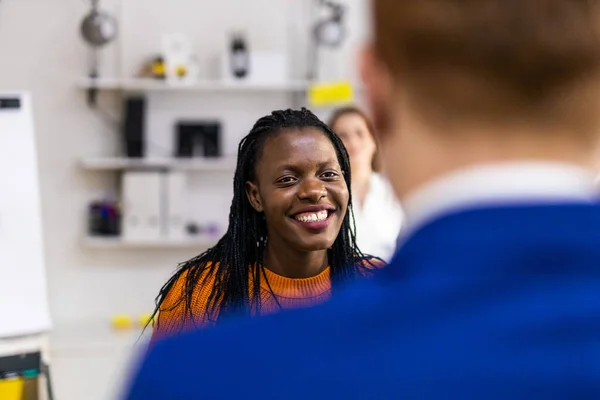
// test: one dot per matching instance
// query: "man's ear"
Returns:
(379, 89)
(254, 196)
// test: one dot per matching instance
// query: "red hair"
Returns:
(494, 59)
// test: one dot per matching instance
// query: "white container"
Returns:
(141, 198)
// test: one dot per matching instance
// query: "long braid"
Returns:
(235, 264)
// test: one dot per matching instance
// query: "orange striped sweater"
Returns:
(284, 293)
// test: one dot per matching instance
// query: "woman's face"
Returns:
(354, 132)
(300, 189)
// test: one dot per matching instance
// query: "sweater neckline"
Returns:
(296, 288)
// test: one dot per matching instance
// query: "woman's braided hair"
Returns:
(235, 264)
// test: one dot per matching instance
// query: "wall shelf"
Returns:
(153, 85)
(120, 243)
(225, 164)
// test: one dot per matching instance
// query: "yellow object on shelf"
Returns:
(122, 322)
(158, 69)
(12, 389)
(181, 70)
(145, 319)
(330, 94)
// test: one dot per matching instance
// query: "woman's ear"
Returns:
(254, 196)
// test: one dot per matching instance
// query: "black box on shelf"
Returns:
(134, 116)
(198, 139)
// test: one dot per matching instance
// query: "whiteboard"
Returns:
(23, 295)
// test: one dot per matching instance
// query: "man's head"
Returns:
(453, 83)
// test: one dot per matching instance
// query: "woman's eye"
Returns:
(286, 179)
(329, 175)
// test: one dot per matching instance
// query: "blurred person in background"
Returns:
(289, 243)
(487, 116)
(377, 213)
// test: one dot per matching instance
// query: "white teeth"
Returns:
(312, 217)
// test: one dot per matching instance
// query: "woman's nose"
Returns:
(312, 190)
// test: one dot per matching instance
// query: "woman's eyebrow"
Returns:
(297, 167)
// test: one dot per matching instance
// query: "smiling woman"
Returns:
(289, 243)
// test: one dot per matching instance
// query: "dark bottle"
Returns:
(240, 59)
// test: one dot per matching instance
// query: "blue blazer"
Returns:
(489, 303)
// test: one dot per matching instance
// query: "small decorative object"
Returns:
(331, 32)
(209, 229)
(179, 62)
(122, 322)
(193, 229)
(328, 32)
(154, 68)
(212, 230)
(146, 320)
(104, 218)
(239, 56)
(97, 29)
(158, 68)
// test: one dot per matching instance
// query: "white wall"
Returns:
(41, 51)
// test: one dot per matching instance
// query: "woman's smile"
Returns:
(301, 190)
(314, 218)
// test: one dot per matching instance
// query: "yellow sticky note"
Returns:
(11, 389)
(330, 94)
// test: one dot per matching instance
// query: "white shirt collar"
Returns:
(517, 182)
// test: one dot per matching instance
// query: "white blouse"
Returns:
(379, 221)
